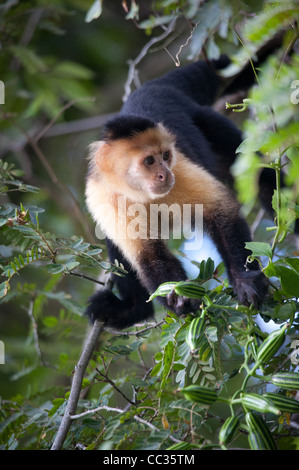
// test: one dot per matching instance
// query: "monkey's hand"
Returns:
(250, 287)
(104, 306)
(115, 312)
(181, 305)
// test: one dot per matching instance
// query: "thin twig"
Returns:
(256, 222)
(176, 59)
(119, 410)
(142, 54)
(96, 410)
(288, 49)
(76, 384)
(138, 332)
(83, 276)
(107, 379)
(28, 32)
(35, 332)
(45, 129)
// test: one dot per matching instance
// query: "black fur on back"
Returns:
(124, 127)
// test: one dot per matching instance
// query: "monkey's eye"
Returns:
(166, 156)
(149, 161)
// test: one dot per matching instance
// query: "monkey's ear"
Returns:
(99, 155)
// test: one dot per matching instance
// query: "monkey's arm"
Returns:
(156, 265)
(230, 235)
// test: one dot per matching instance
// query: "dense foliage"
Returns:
(224, 377)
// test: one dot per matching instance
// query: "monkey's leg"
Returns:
(124, 311)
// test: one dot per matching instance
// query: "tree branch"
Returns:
(76, 384)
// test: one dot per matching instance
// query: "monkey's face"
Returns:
(139, 167)
(150, 172)
(151, 159)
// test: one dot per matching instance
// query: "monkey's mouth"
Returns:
(159, 189)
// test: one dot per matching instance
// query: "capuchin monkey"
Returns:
(167, 146)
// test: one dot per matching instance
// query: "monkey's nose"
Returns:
(161, 177)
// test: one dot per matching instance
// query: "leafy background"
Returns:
(66, 67)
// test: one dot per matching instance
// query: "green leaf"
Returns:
(289, 277)
(259, 249)
(286, 212)
(211, 333)
(168, 358)
(55, 268)
(50, 321)
(206, 269)
(71, 265)
(58, 401)
(73, 70)
(156, 369)
(228, 429)
(191, 289)
(85, 383)
(255, 143)
(94, 11)
(180, 446)
(29, 59)
(293, 263)
(284, 311)
(155, 21)
(4, 287)
(105, 265)
(195, 332)
(271, 20)
(177, 366)
(203, 395)
(271, 344)
(94, 252)
(220, 269)
(133, 13)
(163, 290)
(158, 356)
(289, 280)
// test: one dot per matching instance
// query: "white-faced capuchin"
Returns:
(167, 146)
